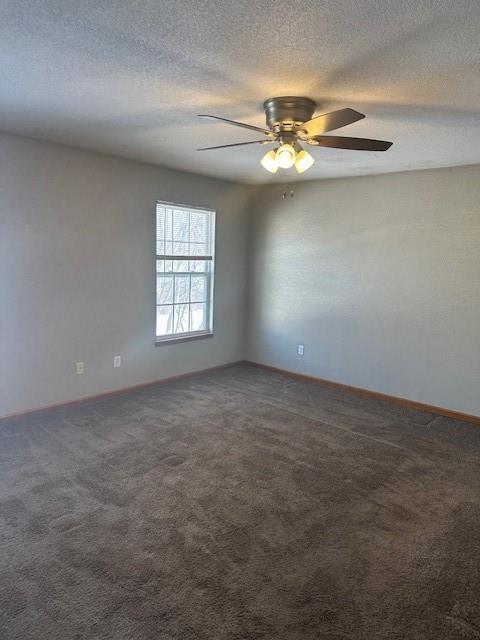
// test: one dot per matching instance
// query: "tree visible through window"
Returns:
(185, 266)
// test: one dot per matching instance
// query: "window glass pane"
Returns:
(198, 249)
(181, 319)
(198, 226)
(168, 225)
(200, 266)
(165, 266)
(164, 289)
(160, 230)
(181, 223)
(164, 320)
(160, 221)
(198, 316)
(182, 284)
(180, 249)
(198, 289)
(180, 266)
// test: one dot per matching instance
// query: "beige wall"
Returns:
(379, 278)
(77, 272)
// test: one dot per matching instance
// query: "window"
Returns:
(185, 269)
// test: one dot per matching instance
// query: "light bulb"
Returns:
(303, 161)
(269, 162)
(285, 156)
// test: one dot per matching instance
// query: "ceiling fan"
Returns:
(290, 122)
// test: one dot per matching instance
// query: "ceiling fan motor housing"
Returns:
(286, 112)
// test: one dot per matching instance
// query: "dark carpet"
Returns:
(239, 505)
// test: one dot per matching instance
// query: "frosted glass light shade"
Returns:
(303, 161)
(285, 156)
(269, 162)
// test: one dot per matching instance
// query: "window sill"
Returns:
(186, 337)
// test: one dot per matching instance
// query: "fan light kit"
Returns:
(290, 122)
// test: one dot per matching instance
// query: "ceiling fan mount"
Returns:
(287, 112)
(290, 122)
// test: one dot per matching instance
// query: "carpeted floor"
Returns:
(239, 505)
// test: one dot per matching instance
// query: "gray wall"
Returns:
(77, 272)
(379, 278)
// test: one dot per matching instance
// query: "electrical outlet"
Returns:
(117, 361)
(80, 368)
(300, 349)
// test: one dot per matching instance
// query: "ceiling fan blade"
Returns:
(330, 121)
(267, 132)
(356, 144)
(235, 144)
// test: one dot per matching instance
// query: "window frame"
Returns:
(210, 280)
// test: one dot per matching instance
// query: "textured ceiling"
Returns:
(129, 77)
